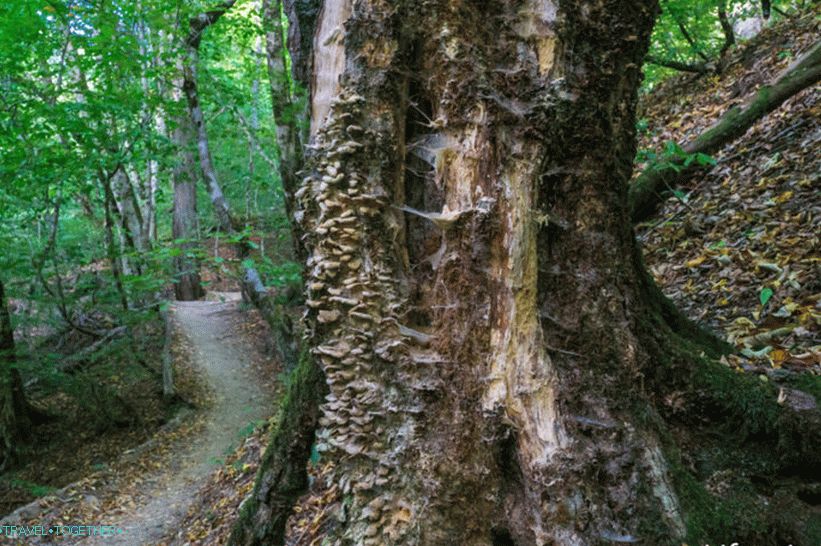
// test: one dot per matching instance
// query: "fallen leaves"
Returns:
(738, 252)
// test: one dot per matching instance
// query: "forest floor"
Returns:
(148, 492)
(738, 247)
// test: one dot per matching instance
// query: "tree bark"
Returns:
(13, 407)
(286, 112)
(726, 28)
(648, 190)
(519, 184)
(188, 286)
(282, 476)
(497, 359)
(114, 254)
(129, 211)
(197, 26)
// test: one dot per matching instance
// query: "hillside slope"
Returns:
(738, 248)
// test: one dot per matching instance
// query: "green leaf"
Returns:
(705, 159)
(765, 295)
(314, 455)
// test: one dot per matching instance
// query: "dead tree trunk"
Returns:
(13, 407)
(648, 190)
(499, 364)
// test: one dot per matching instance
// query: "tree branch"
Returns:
(726, 27)
(200, 22)
(690, 40)
(700, 68)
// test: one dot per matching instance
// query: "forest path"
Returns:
(224, 359)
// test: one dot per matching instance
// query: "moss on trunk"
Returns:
(282, 476)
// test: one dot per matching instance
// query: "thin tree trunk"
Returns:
(648, 190)
(198, 25)
(39, 264)
(286, 113)
(726, 28)
(128, 208)
(693, 44)
(252, 287)
(282, 476)
(114, 254)
(13, 408)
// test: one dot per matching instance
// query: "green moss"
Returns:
(808, 383)
(710, 518)
(282, 476)
(748, 404)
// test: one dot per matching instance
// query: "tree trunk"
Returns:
(114, 254)
(282, 476)
(13, 407)
(286, 112)
(726, 28)
(129, 211)
(190, 67)
(253, 289)
(648, 190)
(497, 358)
(188, 286)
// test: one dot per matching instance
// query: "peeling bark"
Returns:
(475, 296)
(443, 203)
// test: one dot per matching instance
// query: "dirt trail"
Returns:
(225, 362)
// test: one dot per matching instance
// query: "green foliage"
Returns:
(672, 157)
(88, 90)
(32, 488)
(689, 31)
